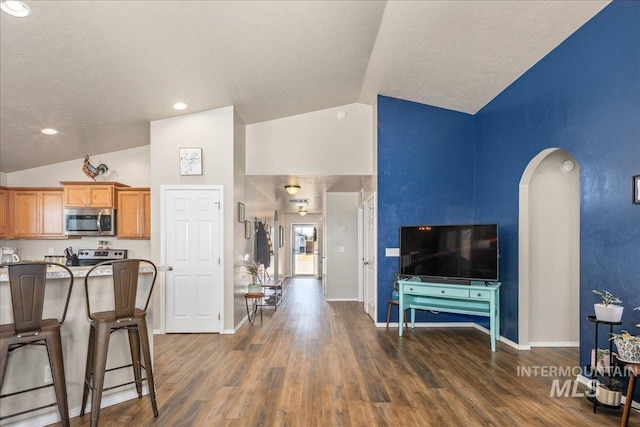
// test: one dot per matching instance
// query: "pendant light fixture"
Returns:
(292, 189)
(302, 211)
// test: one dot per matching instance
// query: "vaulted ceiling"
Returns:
(99, 72)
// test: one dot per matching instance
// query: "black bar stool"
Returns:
(124, 316)
(27, 283)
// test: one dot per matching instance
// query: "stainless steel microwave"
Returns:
(90, 222)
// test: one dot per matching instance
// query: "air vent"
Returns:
(299, 201)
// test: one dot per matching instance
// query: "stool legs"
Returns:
(97, 362)
(100, 350)
(56, 362)
(146, 352)
(134, 346)
(88, 370)
(4, 352)
(389, 305)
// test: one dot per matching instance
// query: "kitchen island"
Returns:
(28, 367)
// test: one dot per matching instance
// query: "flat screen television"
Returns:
(450, 253)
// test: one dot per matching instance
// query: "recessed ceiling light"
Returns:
(49, 131)
(179, 105)
(15, 8)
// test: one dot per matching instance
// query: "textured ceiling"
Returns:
(99, 72)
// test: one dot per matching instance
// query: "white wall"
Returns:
(341, 246)
(213, 131)
(315, 143)
(129, 167)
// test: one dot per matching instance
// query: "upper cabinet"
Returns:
(6, 229)
(38, 214)
(134, 213)
(90, 195)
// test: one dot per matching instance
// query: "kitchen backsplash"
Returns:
(37, 249)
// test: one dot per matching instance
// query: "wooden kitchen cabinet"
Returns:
(6, 229)
(134, 213)
(38, 214)
(90, 195)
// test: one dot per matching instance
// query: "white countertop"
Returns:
(60, 273)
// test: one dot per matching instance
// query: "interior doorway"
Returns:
(303, 248)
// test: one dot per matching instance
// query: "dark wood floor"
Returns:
(314, 363)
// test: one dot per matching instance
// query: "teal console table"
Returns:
(478, 298)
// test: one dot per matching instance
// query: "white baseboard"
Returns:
(342, 299)
(554, 344)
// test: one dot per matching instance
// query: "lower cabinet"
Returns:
(134, 213)
(38, 214)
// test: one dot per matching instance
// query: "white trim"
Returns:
(341, 299)
(554, 344)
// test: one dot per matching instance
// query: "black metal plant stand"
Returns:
(594, 370)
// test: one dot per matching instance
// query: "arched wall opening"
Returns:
(549, 251)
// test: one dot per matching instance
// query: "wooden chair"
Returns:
(124, 316)
(27, 282)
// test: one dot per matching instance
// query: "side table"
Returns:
(255, 298)
(633, 369)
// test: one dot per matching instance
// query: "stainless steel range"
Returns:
(95, 256)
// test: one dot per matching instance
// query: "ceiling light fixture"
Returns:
(49, 131)
(15, 8)
(302, 211)
(180, 106)
(292, 189)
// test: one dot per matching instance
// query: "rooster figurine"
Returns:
(93, 171)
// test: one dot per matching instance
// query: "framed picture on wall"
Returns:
(280, 236)
(191, 161)
(241, 212)
(636, 189)
(247, 229)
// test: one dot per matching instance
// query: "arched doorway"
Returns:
(549, 251)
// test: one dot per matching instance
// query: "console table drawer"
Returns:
(444, 292)
(479, 294)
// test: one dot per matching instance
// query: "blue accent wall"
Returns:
(583, 97)
(425, 176)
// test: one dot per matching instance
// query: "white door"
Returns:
(192, 240)
(371, 293)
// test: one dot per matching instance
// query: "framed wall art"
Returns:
(636, 189)
(241, 212)
(191, 161)
(247, 229)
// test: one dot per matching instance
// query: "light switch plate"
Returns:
(392, 252)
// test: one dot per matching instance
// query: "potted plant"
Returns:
(607, 311)
(628, 346)
(601, 360)
(254, 269)
(609, 392)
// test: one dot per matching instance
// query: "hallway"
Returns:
(314, 363)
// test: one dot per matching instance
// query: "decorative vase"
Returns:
(608, 313)
(254, 288)
(608, 397)
(628, 350)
